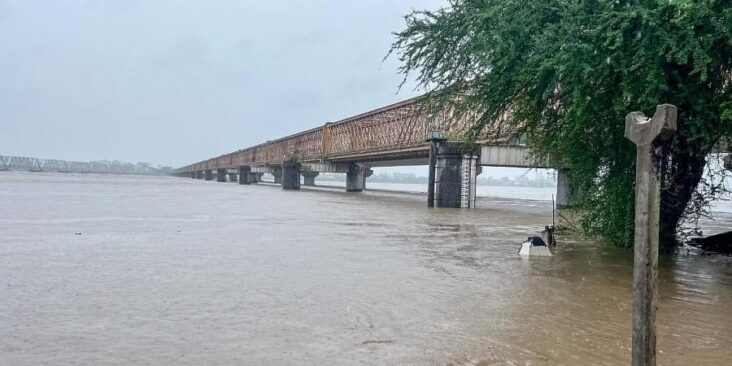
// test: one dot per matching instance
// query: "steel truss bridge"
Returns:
(411, 132)
(390, 136)
(53, 165)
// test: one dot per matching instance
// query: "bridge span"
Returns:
(25, 163)
(405, 133)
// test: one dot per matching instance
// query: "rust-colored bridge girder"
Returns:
(393, 132)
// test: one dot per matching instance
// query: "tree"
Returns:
(568, 71)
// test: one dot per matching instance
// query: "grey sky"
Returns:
(171, 82)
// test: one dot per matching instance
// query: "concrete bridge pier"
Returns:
(290, 175)
(309, 177)
(232, 177)
(244, 172)
(221, 175)
(209, 174)
(356, 177)
(456, 174)
(565, 190)
(199, 174)
(193, 175)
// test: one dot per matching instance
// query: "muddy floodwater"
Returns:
(170, 271)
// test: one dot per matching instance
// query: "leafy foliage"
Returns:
(569, 71)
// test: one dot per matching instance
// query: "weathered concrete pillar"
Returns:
(221, 175)
(209, 174)
(277, 174)
(255, 178)
(232, 177)
(199, 174)
(193, 175)
(355, 178)
(244, 172)
(647, 135)
(309, 177)
(290, 175)
(455, 176)
(565, 190)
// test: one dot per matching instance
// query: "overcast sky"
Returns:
(172, 82)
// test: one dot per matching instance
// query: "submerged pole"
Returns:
(645, 133)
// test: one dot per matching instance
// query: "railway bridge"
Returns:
(405, 133)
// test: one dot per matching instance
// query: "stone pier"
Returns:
(209, 174)
(244, 172)
(193, 175)
(232, 177)
(309, 177)
(199, 174)
(356, 178)
(456, 174)
(221, 175)
(290, 175)
(565, 190)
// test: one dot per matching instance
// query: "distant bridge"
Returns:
(53, 165)
(395, 135)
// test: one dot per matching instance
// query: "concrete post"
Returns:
(645, 134)
(209, 174)
(244, 172)
(355, 178)
(193, 175)
(290, 175)
(455, 176)
(199, 174)
(221, 175)
(565, 190)
(309, 177)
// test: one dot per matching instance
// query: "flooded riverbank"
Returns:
(146, 270)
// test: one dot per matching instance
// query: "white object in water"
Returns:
(536, 248)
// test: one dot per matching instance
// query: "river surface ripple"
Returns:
(161, 270)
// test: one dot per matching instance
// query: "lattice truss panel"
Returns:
(400, 126)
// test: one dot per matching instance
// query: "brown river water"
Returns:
(169, 271)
